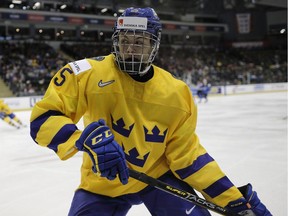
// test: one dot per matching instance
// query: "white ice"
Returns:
(246, 134)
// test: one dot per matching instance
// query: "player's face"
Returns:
(134, 46)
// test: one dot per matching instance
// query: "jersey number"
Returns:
(60, 81)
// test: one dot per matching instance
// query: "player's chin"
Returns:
(135, 66)
(132, 67)
(132, 60)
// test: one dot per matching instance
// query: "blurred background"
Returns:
(230, 46)
(220, 42)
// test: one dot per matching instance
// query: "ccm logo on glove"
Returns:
(100, 137)
(106, 154)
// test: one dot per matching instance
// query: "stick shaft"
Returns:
(178, 192)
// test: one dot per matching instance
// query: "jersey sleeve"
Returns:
(53, 119)
(190, 162)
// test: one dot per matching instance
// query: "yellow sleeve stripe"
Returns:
(68, 149)
(216, 187)
(199, 163)
(60, 138)
(50, 131)
(37, 123)
(206, 176)
(224, 198)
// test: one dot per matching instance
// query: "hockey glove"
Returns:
(106, 154)
(250, 205)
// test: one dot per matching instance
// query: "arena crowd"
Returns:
(27, 67)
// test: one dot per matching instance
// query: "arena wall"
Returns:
(23, 103)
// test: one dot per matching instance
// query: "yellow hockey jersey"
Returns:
(153, 121)
(5, 108)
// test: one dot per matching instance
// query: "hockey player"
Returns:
(8, 116)
(203, 88)
(136, 116)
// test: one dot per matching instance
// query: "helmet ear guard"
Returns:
(141, 22)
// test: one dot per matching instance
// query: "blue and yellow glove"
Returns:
(106, 154)
(249, 205)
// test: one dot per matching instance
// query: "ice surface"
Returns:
(246, 134)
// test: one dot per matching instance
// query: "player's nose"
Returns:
(130, 49)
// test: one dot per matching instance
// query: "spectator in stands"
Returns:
(21, 62)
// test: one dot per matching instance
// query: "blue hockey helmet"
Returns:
(153, 25)
(137, 21)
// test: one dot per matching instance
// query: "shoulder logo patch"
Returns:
(80, 66)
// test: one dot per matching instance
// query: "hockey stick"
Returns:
(179, 193)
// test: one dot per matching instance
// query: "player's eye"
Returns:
(124, 42)
(139, 42)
